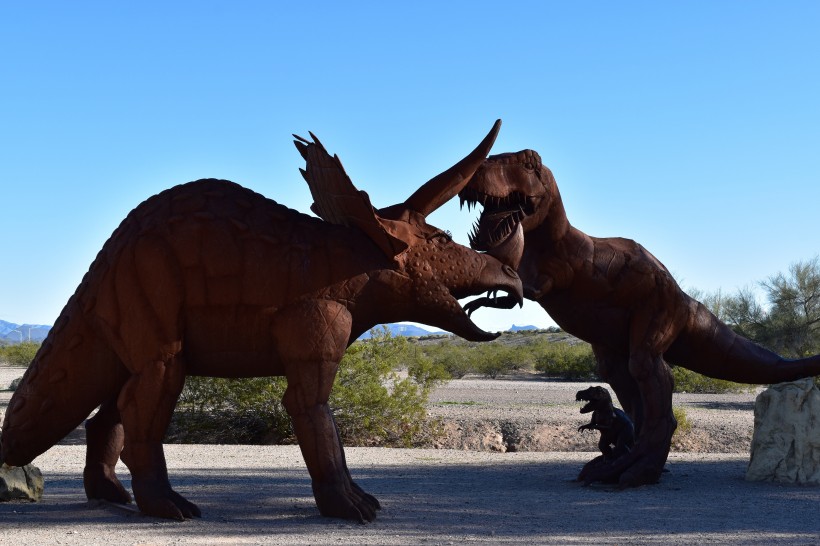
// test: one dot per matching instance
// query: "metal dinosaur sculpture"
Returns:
(209, 278)
(614, 294)
(616, 428)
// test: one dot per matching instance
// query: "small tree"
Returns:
(794, 317)
(790, 324)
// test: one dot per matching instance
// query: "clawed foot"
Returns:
(630, 470)
(101, 482)
(159, 500)
(347, 501)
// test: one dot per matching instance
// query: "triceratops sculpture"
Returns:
(209, 278)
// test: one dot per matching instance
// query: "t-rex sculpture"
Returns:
(615, 426)
(617, 296)
(209, 278)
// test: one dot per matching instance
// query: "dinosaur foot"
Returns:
(599, 465)
(101, 483)
(156, 498)
(347, 501)
(630, 470)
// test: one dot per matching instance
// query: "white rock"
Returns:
(786, 441)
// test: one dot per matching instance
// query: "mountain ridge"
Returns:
(11, 332)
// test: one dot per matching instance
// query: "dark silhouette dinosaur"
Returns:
(614, 294)
(616, 428)
(209, 278)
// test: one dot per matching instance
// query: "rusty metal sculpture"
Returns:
(616, 428)
(209, 278)
(617, 296)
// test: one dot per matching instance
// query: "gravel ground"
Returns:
(261, 494)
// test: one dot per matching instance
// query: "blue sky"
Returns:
(693, 128)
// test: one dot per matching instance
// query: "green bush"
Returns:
(373, 403)
(684, 424)
(693, 382)
(19, 354)
(231, 411)
(566, 361)
(494, 359)
(453, 360)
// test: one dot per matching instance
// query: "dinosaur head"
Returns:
(430, 271)
(442, 271)
(596, 398)
(517, 193)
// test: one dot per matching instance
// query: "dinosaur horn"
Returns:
(446, 185)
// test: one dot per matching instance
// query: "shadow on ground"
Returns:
(492, 499)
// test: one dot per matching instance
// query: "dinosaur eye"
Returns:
(529, 166)
(441, 237)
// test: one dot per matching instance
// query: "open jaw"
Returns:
(499, 217)
(464, 327)
(591, 397)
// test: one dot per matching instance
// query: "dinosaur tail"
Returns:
(71, 374)
(711, 348)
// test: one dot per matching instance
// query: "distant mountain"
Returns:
(515, 328)
(406, 330)
(15, 333)
(409, 330)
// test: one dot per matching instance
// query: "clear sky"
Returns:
(691, 127)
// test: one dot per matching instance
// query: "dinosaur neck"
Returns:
(552, 248)
(551, 228)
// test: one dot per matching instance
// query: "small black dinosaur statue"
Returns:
(615, 426)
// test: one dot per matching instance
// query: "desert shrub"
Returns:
(18, 354)
(494, 359)
(684, 424)
(566, 361)
(689, 381)
(372, 402)
(452, 359)
(231, 411)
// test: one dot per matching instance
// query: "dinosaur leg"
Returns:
(652, 378)
(655, 437)
(104, 438)
(146, 404)
(613, 368)
(310, 366)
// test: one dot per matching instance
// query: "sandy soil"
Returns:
(261, 494)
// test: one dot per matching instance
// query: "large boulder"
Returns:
(786, 441)
(20, 483)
